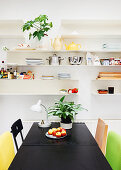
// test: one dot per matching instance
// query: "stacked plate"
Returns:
(34, 61)
(47, 77)
(64, 76)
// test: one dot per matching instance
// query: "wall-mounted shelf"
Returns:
(11, 29)
(79, 29)
(36, 94)
(92, 36)
(12, 37)
(109, 79)
(116, 94)
(67, 51)
(57, 66)
(35, 87)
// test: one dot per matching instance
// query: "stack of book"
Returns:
(109, 75)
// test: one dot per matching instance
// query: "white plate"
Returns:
(53, 137)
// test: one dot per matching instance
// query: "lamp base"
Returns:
(44, 125)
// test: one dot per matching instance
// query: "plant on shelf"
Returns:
(39, 25)
(66, 111)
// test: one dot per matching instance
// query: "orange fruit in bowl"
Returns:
(58, 134)
(63, 133)
(50, 131)
(54, 129)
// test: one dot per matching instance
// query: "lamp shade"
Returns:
(37, 107)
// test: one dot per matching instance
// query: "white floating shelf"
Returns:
(35, 87)
(93, 22)
(66, 51)
(51, 66)
(107, 80)
(12, 37)
(37, 94)
(95, 36)
(11, 22)
(11, 29)
(70, 66)
(105, 29)
(116, 94)
(46, 51)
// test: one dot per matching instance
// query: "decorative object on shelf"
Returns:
(34, 61)
(5, 48)
(40, 25)
(54, 60)
(57, 43)
(111, 90)
(89, 58)
(110, 61)
(92, 59)
(38, 108)
(102, 91)
(47, 77)
(96, 61)
(109, 75)
(66, 111)
(64, 76)
(105, 62)
(111, 46)
(63, 91)
(73, 46)
(23, 75)
(75, 60)
(24, 47)
(75, 90)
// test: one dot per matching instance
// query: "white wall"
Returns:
(13, 107)
(57, 10)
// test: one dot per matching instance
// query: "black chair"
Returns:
(16, 128)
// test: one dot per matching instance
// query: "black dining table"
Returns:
(77, 151)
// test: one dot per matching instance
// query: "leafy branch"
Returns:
(40, 25)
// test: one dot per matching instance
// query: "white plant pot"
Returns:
(43, 44)
(66, 125)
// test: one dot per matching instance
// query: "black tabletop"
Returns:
(77, 152)
(79, 134)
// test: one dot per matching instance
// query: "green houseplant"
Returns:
(66, 111)
(40, 26)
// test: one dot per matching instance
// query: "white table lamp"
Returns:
(38, 108)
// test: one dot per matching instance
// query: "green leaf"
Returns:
(46, 29)
(50, 24)
(39, 36)
(64, 115)
(30, 35)
(62, 99)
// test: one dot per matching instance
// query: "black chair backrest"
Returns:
(16, 128)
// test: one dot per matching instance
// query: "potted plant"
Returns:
(39, 27)
(66, 111)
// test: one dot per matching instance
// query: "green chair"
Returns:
(113, 150)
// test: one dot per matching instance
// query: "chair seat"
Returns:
(6, 150)
(113, 150)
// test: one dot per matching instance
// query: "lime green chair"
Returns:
(113, 150)
(6, 150)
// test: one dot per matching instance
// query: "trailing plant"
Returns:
(40, 26)
(64, 109)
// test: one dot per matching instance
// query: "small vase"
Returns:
(43, 44)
